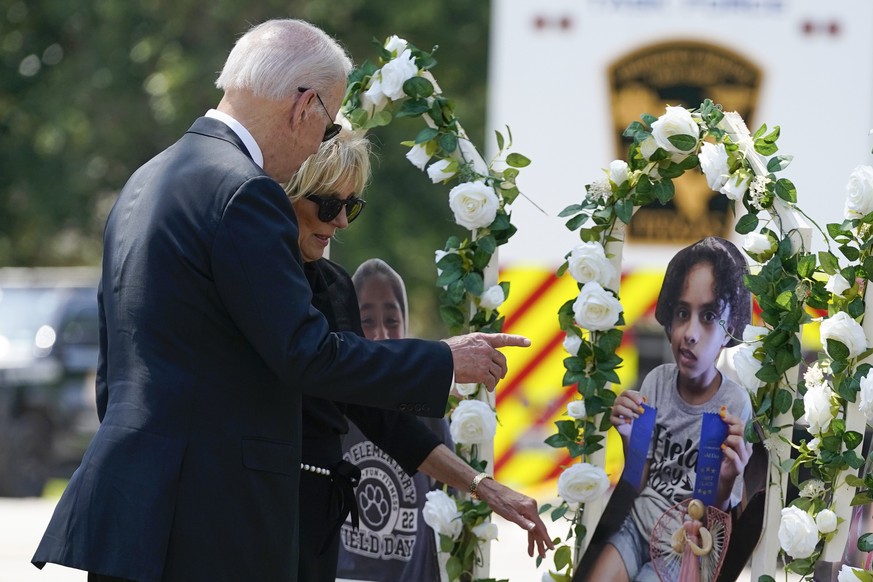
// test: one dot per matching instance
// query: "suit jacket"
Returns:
(208, 340)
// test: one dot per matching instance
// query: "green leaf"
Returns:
(577, 221)
(487, 244)
(562, 557)
(766, 578)
(412, 108)
(559, 512)
(474, 283)
(426, 134)
(664, 191)
(517, 160)
(765, 148)
(683, 142)
(786, 190)
(747, 223)
(451, 316)
(500, 141)
(837, 350)
(446, 543)
(865, 542)
(783, 400)
(778, 163)
(448, 142)
(806, 266)
(380, 119)
(828, 262)
(852, 439)
(867, 267)
(624, 210)
(454, 568)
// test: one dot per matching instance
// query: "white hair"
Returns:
(276, 57)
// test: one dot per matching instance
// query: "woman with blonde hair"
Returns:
(325, 194)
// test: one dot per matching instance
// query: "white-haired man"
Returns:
(193, 474)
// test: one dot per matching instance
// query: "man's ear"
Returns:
(298, 108)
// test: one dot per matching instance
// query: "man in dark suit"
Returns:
(208, 340)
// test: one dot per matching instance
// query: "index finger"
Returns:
(500, 340)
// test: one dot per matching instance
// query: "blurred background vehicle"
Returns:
(48, 358)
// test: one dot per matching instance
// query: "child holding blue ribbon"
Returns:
(703, 305)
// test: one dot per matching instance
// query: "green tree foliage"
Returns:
(91, 90)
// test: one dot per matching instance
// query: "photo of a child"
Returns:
(703, 305)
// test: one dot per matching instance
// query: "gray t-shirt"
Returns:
(673, 453)
(393, 542)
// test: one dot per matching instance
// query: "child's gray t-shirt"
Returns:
(673, 453)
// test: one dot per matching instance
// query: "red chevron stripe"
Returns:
(516, 383)
(540, 290)
(549, 412)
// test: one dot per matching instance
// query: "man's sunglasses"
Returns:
(332, 130)
(329, 207)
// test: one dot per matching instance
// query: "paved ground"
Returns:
(22, 522)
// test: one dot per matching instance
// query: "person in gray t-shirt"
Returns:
(703, 305)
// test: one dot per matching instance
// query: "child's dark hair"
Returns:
(728, 268)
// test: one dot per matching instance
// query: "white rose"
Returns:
(485, 531)
(581, 483)
(596, 309)
(813, 444)
(676, 121)
(736, 186)
(846, 574)
(746, 366)
(798, 534)
(466, 389)
(474, 204)
(818, 410)
(373, 99)
(842, 328)
(759, 246)
(618, 172)
(473, 423)
(587, 262)
(837, 284)
(753, 334)
(826, 521)
(866, 393)
(437, 171)
(492, 298)
(648, 147)
(576, 409)
(397, 72)
(441, 513)
(714, 163)
(572, 343)
(418, 155)
(395, 45)
(859, 193)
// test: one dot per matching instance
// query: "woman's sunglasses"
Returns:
(329, 207)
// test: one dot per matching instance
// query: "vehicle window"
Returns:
(22, 312)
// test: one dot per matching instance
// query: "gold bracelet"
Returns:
(474, 485)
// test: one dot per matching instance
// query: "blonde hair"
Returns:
(343, 160)
(276, 57)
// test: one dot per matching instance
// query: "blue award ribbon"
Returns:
(713, 431)
(638, 446)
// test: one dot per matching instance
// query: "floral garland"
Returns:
(401, 85)
(789, 280)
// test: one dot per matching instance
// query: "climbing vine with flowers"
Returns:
(400, 84)
(788, 281)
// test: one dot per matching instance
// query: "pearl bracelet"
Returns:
(314, 469)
